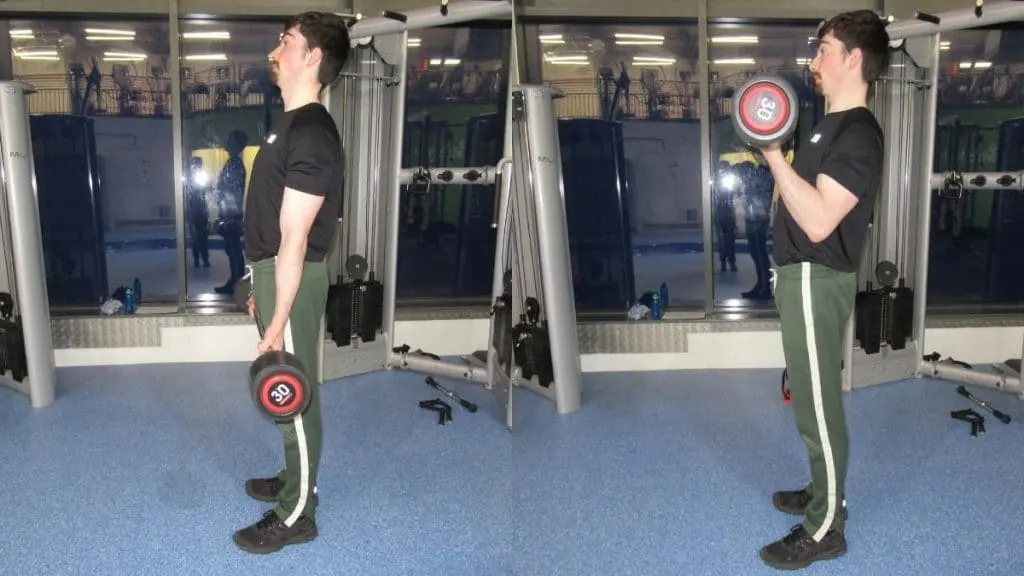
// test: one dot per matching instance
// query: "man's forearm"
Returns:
(803, 200)
(288, 275)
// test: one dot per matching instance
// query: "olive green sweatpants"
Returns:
(302, 337)
(814, 304)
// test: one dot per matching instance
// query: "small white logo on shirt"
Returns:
(815, 138)
(271, 138)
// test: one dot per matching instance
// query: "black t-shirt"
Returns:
(848, 147)
(302, 152)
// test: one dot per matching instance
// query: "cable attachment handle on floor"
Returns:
(1003, 417)
(969, 415)
(465, 403)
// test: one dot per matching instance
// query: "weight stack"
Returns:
(884, 315)
(368, 307)
(339, 314)
(12, 350)
(532, 350)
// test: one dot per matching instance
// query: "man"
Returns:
(290, 216)
(827, 199)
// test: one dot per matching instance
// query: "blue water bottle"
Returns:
(129, 301)
(656, 306)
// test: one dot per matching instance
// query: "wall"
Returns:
(705, 350)
(136, 171)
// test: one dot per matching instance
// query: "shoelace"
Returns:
(268, 522)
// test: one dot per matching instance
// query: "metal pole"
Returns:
(553, 241)
(178, 155)
(481, 176)
(458, 12)
(993, 13)
(952, 372)
(26, 241)
(924, 198)
(979, 180)
(440, 368)
(394, 198)
(706, 173)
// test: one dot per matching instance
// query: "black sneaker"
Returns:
(798, 550)
(270, 534)
(795, 502)
(264, 489)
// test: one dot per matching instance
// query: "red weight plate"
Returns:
(759, 90)
(268, 385)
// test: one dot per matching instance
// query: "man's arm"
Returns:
(313, 157)
(847, 175)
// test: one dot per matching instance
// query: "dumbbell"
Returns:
(278, 384)
(765, 111)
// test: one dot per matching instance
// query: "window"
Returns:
(630, 140)
(228, 103)
(101, 128)
(976, 242)
(455, 116)
(742, 186)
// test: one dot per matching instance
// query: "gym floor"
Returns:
(139, 470)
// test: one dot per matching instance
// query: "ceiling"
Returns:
(211, 41)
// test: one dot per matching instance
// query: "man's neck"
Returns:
(300, 96)
(848, 100)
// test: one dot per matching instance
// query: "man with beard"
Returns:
(827, 198)
(290, 216)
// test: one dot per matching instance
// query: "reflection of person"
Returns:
(291, 214)
(725, 187)
(198, 211)
(826, 200)
(758, 185)
(230, 196)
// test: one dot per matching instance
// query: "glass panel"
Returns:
(743, 187)
(630, 139)
(455, 116)
(101, 131)
(977, 242)
(228, 102)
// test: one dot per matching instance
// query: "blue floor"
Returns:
(139, 470)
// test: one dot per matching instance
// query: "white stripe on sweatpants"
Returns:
(300, 435)
(819, 408)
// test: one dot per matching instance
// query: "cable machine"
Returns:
(886, 335)
(368, 104)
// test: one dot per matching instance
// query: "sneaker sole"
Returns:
(298, 540)
(806, 563)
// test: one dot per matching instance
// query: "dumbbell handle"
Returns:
(963, 391)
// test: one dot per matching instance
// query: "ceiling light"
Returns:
(206, 57)
(93, 38)
(734, 39)
(653, 60)
(108, 32)
(44, 54)
(22, 33)
(626, 36)
(123, 56)
(980, 65)
(414, 43)
(729, 61)
(208, 35)
(551, 39)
